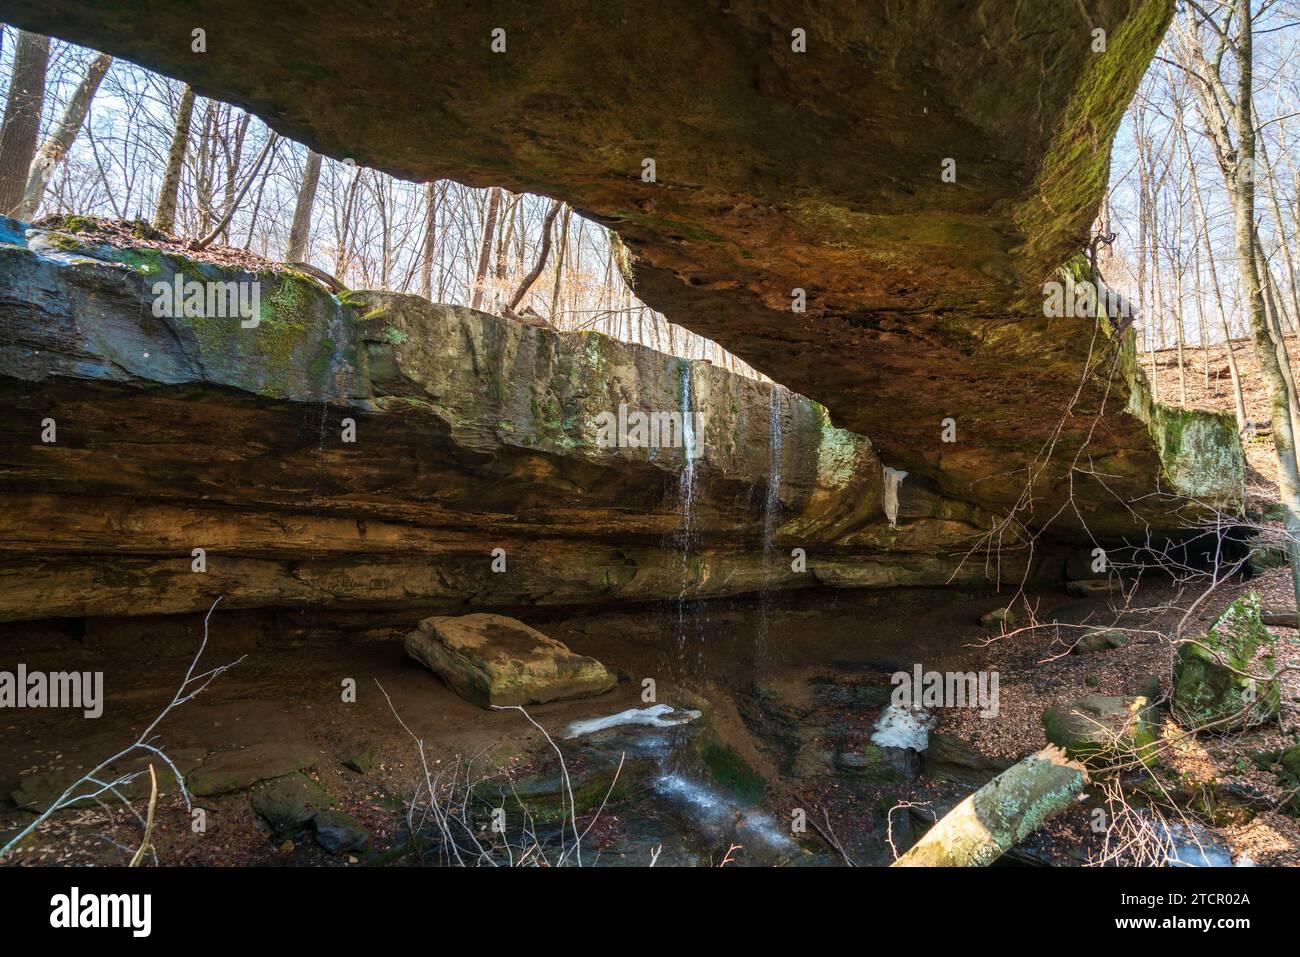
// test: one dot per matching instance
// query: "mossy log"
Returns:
(999, 815)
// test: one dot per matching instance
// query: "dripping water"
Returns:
(685, 500)
(771, 521)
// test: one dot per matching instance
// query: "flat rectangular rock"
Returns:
(494, 660)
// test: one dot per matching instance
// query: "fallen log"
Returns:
(1276, 618)
(330, 282)
(1001, 814)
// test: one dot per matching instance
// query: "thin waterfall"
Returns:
(686, 482)
(771, 521)
(686, 497)
(772, 505)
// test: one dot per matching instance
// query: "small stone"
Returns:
(339, 833)
(362, 762)
(1094, 587)
(286, 847)
(1290, 760)
(999, 616)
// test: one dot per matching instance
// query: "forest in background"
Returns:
(1170, 207)
(145, 147)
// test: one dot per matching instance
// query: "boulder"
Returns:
(1209, 688)
(494, 660)
(362, 761)
(1104, 729)
(951, 759)
(877, 765)
(1094, 587)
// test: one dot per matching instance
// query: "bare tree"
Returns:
(1228, 116)
(224, 223)
(164, 217)
(543, 254)
(22, 120)
(300, 231)
(57, 144)
(485, 250)
(1203, 239)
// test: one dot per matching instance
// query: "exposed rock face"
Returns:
(494, 660)
(775, 171)
(472, 433)
(1212, 687)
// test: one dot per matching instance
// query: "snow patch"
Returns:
(903, 728)
(656, 716)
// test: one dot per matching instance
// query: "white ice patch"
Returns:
(893, 478)
(903, 728)
(656, 716)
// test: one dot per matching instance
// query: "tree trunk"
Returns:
(1242, 190)
(1001, 814)
(430, 237)
(559, 265)
(1272, 316)
(1203, 240)
(542, 255)
(300, 231)
(22, 121)
(485, 250)
(164, 217)
(56, 146)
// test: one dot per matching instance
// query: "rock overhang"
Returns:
(774, 171)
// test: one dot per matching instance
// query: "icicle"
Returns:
(889, 494)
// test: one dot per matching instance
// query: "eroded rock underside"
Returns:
(472, 433)
(775, 171)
